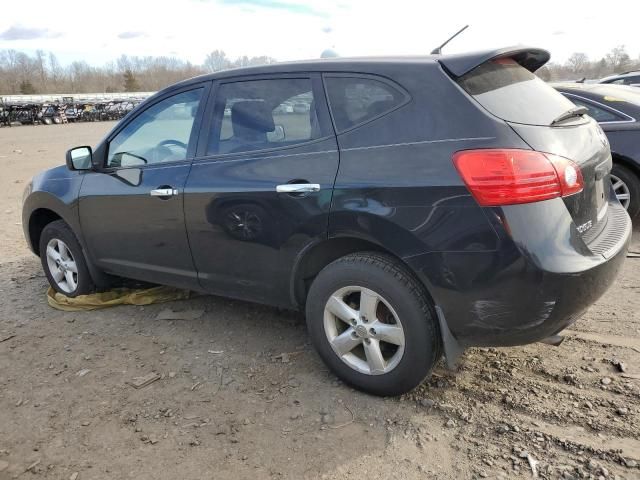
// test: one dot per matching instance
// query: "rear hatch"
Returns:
(539, 115)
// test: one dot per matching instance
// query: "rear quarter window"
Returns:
(356, 100)
(597, 113)
(511, 92)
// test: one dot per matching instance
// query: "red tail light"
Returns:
(511, 176)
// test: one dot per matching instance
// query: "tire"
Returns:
(68, 256)
(630, 185)
(401, 301)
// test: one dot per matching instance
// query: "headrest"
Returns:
(250, 118)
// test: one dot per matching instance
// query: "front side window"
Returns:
(262, 114)
(355, 100)
(159, 134)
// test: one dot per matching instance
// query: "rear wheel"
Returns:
(626, 186)
(372, 324)
(63, 260)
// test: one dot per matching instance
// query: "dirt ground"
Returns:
(229, 405)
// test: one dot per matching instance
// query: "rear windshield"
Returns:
(513, 93)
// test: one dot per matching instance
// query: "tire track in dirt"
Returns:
(615, 340)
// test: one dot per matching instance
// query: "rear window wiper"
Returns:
(573, 112)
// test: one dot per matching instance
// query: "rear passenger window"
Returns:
(263, 114)
(355, 100)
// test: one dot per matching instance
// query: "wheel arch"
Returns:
(317, 256)
(627, 162)
(38, 220)
(41, 208)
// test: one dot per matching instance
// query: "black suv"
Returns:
(411, 206)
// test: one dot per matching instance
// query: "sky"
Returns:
(97, 32)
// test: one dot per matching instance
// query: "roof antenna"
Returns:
(438, 50)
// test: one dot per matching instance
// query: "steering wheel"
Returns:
(166, 143)
(163, 152)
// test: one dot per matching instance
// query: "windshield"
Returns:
(511, 92)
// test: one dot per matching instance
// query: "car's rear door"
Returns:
(131, 209)
(259, 191)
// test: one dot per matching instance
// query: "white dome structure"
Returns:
(329, 53)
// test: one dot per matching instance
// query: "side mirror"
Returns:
(277, 135)
(80, 158)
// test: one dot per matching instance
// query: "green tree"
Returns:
(27, 88)
(130, 82)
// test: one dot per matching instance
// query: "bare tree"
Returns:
(578, 61)
(55, 73)
(544, 73)
(216, 61)
(43, 73)
(618, 58)
(41, 64)
(579, 66)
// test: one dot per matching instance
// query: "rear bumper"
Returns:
(541, 279)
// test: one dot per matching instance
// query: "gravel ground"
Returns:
(229, 404)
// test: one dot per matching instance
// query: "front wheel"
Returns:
(373, 324)
(63, 260)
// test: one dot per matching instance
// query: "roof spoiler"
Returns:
(529, 57)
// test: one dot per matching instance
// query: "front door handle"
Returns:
(163, 192)
(298, 188)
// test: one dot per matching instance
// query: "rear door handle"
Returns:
(298, 188)
(163, 192)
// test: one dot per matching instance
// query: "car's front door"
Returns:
(260, 190)
(131, 209)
